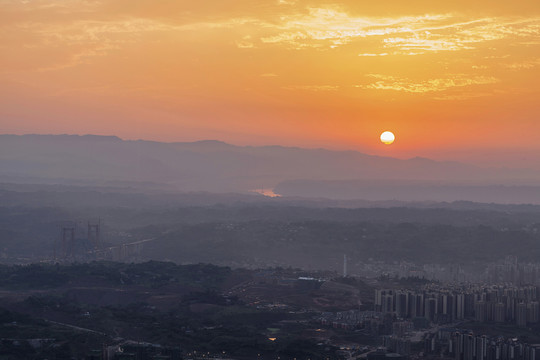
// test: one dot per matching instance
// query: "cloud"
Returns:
(81, 40)
(523, 65)
(462, 96)
(295, 27)
(245, 43)
(371, 55)
(385, 82)
(76, 32)
(313, 87)
(331, 27)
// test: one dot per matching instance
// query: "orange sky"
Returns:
(453, 79)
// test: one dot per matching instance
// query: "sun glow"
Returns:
(387, 137)
(211, 67)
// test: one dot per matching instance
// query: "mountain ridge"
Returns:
(216, 166)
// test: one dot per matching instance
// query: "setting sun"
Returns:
(189, 71)
(387, 137)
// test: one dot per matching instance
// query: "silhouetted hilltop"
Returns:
(216, 166)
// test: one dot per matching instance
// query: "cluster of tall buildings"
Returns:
(397, 345)
(372, 322)
(512, 272)
(404, 269)
(519, 305)
(464, 345)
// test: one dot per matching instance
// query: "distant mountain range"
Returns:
(215, 166)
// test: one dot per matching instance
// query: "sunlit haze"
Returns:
(455, 79)
(270, 179)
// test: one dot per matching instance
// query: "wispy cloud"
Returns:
(82, 40)
(323, 28)
(313, 87)
(384, 82)
(71, 41)
(372, 55)
(462, 96)
(329, 28)
(286, 2)
(523, 65)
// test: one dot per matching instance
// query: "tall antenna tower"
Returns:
(344, 265)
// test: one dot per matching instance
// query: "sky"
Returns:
(452, 79)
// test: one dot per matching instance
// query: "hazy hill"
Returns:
(219, 167)
(411, 191)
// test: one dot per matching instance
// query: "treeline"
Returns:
(152, 274)
(321, 244)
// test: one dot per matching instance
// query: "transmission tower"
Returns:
(68, 242)
(94, 231)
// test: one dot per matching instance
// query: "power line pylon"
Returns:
(68, 242)
(94, 234)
